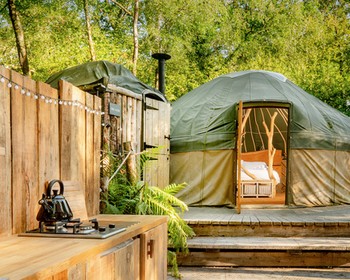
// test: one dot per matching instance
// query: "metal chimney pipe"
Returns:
(161, 57)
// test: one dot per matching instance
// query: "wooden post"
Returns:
(5, 156)
(239, 151)
(131, 166)
(24, 125)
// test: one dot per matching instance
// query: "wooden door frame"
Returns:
(241, 106)
(238, 155)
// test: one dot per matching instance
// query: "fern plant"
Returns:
(142, 199)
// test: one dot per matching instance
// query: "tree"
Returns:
(189, 31)
(307, 41)
(20, 40)
(136, 35)
(135, 19)
(88, 30)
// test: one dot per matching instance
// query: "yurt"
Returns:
(255, 137)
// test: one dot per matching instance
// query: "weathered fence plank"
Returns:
(73, 147)
(89, 152)
(125, 119)
(5, 155)
(80, 142)
(139, 113)
(95, 191)
(164, 143)
(118, 131)
(48, 134)
(25, 192)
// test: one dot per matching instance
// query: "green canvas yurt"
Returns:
(298, 138)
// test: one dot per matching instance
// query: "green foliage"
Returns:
(307, 41)
(141, 199)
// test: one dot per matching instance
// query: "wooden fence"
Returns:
(45, 134)
(144, 123)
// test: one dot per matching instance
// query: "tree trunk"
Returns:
(136, 35)
(88, 31)
(19, 34)
(131, 164)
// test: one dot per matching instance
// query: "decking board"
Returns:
(282, 221)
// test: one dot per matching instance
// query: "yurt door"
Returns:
(156, 140)
(262, 153)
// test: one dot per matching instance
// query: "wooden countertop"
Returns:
(41, 257)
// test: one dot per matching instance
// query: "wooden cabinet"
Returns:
(120, 263)
(139, 253)
(154, 253)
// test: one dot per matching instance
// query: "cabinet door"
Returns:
(77, 272)
(127, 262)
(121, 262)
(118, 263)
(154, 253)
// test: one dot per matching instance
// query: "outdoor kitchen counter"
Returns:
(41, 257)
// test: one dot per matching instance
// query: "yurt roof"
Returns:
(205, 118)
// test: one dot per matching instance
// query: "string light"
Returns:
(47, 99)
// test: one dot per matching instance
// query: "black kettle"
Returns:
(54, 207)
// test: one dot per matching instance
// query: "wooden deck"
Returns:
(278, 236)
(270, 221)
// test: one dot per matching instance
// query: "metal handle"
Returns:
(150, 248)
(49, 187)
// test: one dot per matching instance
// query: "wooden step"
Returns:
(271, 243)
(277, 222)
(272, 228)
(267, 252)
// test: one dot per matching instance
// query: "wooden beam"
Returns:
(246, 117)
(239, 152)
(124, 91)
(271, 149)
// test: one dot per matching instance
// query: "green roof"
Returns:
(98, 71)
(206, 117)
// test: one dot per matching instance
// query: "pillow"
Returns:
(254, 165)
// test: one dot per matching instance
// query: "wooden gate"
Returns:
(156, 134)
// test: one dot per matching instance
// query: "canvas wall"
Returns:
(209, 175)
(319, 177)
(316, 177)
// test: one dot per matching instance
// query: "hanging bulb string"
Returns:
(49, 100)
